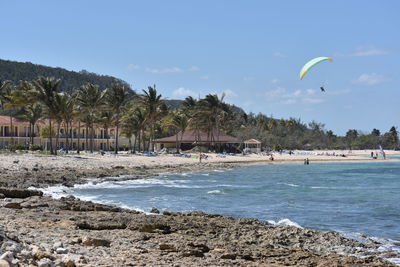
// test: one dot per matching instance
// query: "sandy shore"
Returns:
(40, 231)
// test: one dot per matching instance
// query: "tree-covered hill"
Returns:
(26, 71)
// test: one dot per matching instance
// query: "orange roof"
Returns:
(5, 120)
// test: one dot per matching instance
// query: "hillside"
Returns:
(26, 71)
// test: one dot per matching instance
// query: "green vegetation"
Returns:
(111, 103)
(19, 71)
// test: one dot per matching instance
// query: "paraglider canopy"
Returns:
(311, 64)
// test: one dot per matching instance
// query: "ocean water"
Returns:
(350, 198)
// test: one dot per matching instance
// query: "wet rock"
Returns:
(88, 241)
(154, 210)
(19, 193)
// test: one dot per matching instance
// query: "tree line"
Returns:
(146, 116)
(25, 71)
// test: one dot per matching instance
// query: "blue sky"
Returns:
(250, 50)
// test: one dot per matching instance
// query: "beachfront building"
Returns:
(214, 141)
(21, 134)
(252, 145)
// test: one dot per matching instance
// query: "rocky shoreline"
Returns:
(36, 230)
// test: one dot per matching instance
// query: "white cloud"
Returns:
(164, 70)
(133, 67)
(274, 81)
(289, 98)
(370, 79)
(194, 68)
(289, 102)
(369, 51)
(312, 100)
(275, 93)
(279, 54)
(365, 51)
(183, 92)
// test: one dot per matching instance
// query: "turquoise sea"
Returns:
(351, 198)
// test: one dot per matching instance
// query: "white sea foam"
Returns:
(285, 222)
(216, 192)
(56, 192)
(219, 170)
(293, 185)
(205, 174)
(388, 246)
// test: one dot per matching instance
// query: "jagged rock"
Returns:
(33, 205)
(2, 196)
(154, 210)
(45, 262)
(11, 247)
(228, 256)
(88, 241)
(42, 255)
(193, 252)
(13, 205)
(58, 245)
(4, 263)
(19, 193)
(155, 228)
(101, 226)
(118, 167)
(167, 247)
(70, 263)
(8, 257)
(61, 251)
(201, 247)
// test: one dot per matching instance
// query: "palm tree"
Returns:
(209, 114)
(5, 101)
(133, 123)
(45, 93)
(66, 105)
(180, 122)
(106, 119)
(31, 113)
(91, 100)
(153, 105)
(117, 99)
